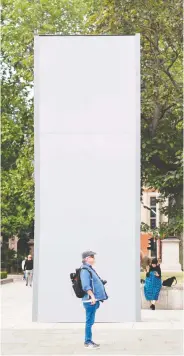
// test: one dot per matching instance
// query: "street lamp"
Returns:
(147, 207)
(153, 211)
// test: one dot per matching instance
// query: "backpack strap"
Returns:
(88, 271)
(91, 276)
(96, 274)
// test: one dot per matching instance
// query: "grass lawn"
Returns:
(165, 275)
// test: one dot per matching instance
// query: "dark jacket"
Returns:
(154, 269)
(28, 265)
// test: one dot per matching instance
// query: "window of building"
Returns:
(153, 203)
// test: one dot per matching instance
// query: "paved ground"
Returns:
(159, 333)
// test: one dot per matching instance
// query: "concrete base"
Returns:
(169, 298)
(170, 255)
(6, 280)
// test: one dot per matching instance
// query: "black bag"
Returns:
(76, 282)
(169, 282)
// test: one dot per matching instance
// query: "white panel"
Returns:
(87, 172)
(87, 84)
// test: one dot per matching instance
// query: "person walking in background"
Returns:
(23, 265)
(93, 286)
(28, 267)
(153, 283)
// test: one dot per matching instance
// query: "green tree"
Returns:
(21, 19)
(160, 25)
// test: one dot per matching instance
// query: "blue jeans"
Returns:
(90, 319)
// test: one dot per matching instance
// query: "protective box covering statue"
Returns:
(87, 173)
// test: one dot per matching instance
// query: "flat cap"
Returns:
(87, 254)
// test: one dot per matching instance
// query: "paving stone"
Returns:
(159, 333)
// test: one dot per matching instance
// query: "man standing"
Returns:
(28, 267)
(93, 286)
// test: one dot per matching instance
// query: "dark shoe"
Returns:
(153, 308)
(26, 284)
(91, 345)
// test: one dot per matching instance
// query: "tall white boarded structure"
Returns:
(87, 172)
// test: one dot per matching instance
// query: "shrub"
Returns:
(3, 274)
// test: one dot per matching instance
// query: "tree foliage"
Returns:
(160, 25)
(21, 19)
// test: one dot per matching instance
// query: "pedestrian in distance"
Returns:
(153, 283)
(23, 265)
(28, 268)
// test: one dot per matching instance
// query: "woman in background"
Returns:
(153, 283)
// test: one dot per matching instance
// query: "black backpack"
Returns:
(76, 282)
(169, 282)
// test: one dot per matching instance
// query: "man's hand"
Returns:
(156, 274)
(93, 300)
